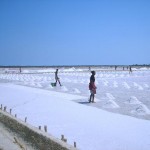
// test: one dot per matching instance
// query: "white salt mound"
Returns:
(133, 100)
(75, 90)
(64, 89)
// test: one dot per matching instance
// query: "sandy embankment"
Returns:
(8, 142)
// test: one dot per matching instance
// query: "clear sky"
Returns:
(74, 32)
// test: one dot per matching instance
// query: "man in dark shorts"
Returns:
(57, 78)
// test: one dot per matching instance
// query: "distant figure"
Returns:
(115, 67)
(89, 68)
(57, 78)
(92, 87)
(130, 69)
(123, 68)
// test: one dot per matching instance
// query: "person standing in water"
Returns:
(57, 78)
(92, 87)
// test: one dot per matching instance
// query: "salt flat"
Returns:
(65, 110)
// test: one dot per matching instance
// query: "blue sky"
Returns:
(74, 32)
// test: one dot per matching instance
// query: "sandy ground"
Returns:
(7, 141)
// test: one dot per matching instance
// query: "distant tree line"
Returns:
(67, 66)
